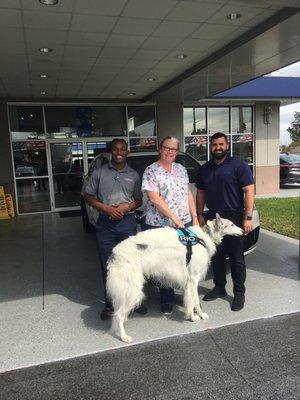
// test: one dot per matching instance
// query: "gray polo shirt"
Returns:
(112, 186)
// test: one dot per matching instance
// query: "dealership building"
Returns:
(75, 75)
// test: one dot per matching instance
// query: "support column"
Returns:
(6, 170)
(170, 121)
(267, 139)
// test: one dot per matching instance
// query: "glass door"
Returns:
(67, 173)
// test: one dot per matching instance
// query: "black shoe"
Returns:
(141, 310)
(107, 313)
(238, 302)
(215, 293)
(167, 309)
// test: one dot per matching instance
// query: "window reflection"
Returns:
(242, 147)
(241, 119)
(143, 144)
(26, 122)
(30, 158)
(141, 121)
(197, 148)
(200, 121)
(85, 121)
(218, 119)
(33, 195)
(188, 121)
(93, 149)
(67, 170)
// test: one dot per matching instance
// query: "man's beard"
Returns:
(220, 155)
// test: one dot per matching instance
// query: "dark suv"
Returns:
(289, 169)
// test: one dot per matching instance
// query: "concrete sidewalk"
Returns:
(286, 191)
(254, 360)
(51, 295)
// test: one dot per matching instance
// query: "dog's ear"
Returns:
(218, 221)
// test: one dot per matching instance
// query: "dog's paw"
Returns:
(203, 315)
(127, 339)
(195, 318)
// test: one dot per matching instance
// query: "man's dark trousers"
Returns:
(109, 233)
(233, 247)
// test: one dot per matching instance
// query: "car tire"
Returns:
(87, 226)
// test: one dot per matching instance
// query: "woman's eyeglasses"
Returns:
(170, 149)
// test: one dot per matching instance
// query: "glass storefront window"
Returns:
(188, 121)
(30, 158)
(26, 122)
(143, 144)
(218, 119)
(85, 121)
(200, 121)
(196, 146)
(241, 119)
(141, 121)
(242, 147)
(93, 149)
(33, 195)
(67, 170)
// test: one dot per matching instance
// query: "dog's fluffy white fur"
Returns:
(158, 254)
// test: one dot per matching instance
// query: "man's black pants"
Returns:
(232, 247)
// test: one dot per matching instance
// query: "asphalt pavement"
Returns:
(252, 360)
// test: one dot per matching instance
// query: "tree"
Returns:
(294, 129)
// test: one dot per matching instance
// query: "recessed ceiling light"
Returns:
(151, 79)
(49, 2)
(131, 94)
(43, 92)
(43, 76)
(45, 49)
(233, 16)
(181, 56)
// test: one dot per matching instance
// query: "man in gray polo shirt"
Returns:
(115, 190)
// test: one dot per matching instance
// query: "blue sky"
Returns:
(287, 112)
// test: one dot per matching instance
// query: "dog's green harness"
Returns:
(188, 238)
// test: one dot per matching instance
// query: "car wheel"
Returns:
(87, 226)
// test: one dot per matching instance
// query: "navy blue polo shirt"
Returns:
(223, 184)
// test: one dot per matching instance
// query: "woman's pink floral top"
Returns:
(172, 187)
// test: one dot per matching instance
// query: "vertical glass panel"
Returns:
(143, 144)
(30, 158)
(85, 121)
(200, 121)
(33, 195)
(241, 119)
(67, 169)
(218, 119)
(93, 149)
(26, 122)
(242, 147)
(141, 121)
(197, 147)
(188, 121)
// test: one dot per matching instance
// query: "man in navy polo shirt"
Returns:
(225, 184)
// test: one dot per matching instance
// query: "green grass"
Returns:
(280, 215)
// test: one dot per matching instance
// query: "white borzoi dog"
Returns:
(158, 254)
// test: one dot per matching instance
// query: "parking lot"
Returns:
(51, 293)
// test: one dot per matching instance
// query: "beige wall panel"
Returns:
(267, 180)
(267, 135)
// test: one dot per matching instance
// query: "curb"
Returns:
(281, 237)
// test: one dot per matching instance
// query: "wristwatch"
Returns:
(248, 217)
